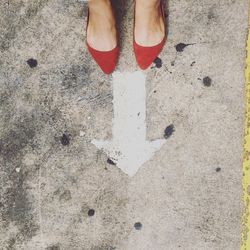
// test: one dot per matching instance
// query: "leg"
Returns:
(149, 23)
(101, 31)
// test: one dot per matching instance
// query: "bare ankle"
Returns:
(146, 4)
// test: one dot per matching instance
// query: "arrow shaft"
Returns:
(129, 99)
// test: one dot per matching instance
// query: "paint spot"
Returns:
(65, 140)
(109, 161)
(172, 63)
(54, 247)
(32, 62)
(158, 62)
(181, 46)
(138, 226)
(155, 91)
(91, 212)
(193, 63)
(218, 169)
(169, 131)
(207, 81)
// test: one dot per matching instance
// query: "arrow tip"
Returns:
(129, 159)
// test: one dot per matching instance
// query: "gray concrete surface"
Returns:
(187, 197)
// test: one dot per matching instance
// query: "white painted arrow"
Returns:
(129, 148)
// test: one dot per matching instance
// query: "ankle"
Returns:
(101, 14)
(147, 5)
(100, 9)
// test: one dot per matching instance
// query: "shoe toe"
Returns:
(146, 55)
(106, 60)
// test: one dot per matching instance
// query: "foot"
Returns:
(101, 30)
(149, 23)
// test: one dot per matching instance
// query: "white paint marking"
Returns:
(129, 148)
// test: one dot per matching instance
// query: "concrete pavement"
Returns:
(58, 191)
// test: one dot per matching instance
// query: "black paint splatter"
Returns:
(65, 140)
(192, 64)
(207, 81)
(158, 62)
(218, 170)
(169, 131)
(109, 161)
(138, 226)
(181, 46)
(91, 212)
(32, 62)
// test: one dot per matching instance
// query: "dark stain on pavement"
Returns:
(65, 140)
(32, 62)
(91, 212)
(169, 130)
(74, 77)
(192, 64)
(207, 81)
(18, 208)
(138, 226)
(15, 22)
(218, 170)
(17, 138)
(109, 161)
(181, 46)
(158, 62)
(18, 135)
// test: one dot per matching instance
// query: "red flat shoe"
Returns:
(145, 55)
(106, 60)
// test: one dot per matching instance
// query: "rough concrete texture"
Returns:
(59, 192)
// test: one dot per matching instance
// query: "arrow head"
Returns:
(129, 158)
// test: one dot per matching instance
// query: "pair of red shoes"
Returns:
(107, 60)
